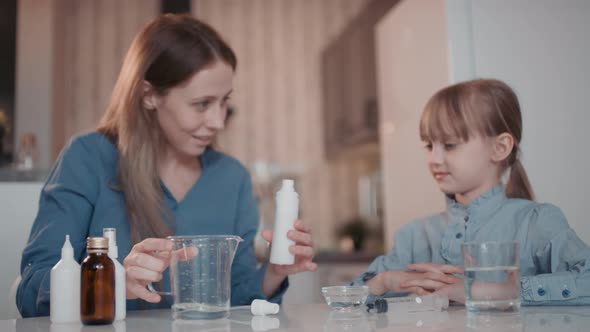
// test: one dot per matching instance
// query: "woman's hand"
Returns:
(145, 264)
(303, 250)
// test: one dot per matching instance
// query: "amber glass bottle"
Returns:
(97, 284)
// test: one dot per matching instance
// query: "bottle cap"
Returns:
(97, 244)
(111, 235)
(262, 307)
(288, 184)
(67, 250)
(379, 306)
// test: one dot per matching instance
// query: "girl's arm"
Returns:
(562, 259)
(392, 274)
(396, 260)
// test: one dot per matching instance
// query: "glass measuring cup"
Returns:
(200, 275)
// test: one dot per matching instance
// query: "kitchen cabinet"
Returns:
(349, 83)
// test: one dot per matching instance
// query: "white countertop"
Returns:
(318, 317)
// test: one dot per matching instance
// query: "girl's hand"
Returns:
(455, 292)
(144, 264)
(430, 282)
(433, 277)
(392, 281)
(303, 250)
(435, 268)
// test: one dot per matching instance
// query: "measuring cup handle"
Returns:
(151, 288)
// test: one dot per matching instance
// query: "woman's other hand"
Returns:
(302, 249)
(145, 264)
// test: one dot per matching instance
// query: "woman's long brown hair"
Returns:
(166, 53)
(486, 107)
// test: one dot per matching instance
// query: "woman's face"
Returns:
(191, 114)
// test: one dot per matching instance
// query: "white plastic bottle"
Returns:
(287, 208)
(64, 280)
(120, 296)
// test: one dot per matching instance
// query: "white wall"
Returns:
(541, 48)
(18, 203)
(34, 76)
(412, 63)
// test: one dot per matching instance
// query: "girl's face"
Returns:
(192, 114)
(465, 169)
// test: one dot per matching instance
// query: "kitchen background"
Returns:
(328, 92)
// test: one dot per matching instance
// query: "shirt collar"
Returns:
(208, 158)
(480, 208)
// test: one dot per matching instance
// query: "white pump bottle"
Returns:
(287, 209)
(64, 280)
(120, 296)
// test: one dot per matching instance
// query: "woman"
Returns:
(149, 171)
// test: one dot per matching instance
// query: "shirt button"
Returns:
(541, 291)
(565, 293)
(458, 235)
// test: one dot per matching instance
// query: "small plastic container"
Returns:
(346, 298)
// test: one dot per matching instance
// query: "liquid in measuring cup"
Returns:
(191, 311)
(492, 288)
(200, 275)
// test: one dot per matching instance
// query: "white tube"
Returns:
(410, 304)
(120, 296)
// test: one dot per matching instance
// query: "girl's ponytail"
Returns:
(518, 185)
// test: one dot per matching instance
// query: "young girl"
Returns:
(472, 131)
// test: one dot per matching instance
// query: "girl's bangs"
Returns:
(442, 121)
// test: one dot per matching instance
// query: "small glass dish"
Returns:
(346, 298)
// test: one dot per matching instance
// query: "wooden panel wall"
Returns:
(278, 98)
(92, 38)
(278, 86)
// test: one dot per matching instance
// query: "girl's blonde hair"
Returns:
(485, 107)
(166, 53)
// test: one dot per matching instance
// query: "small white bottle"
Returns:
(286, 211)
(120, 296)
(64, 284)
